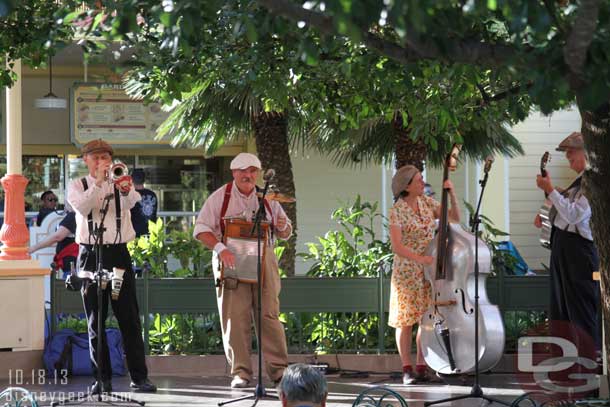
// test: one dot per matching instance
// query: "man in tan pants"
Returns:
(238, 300)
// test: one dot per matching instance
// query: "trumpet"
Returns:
(117, 170)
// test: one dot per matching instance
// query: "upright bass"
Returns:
(448, 326)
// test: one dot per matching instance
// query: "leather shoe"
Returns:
(239, 383)
(422, 376)
(144, 386)
(106, 387)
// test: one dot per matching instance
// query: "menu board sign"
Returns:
(106, 111)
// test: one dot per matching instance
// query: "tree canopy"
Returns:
(341, 95)
(553, 51)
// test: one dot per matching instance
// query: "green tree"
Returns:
(554, 53)
(29, 31)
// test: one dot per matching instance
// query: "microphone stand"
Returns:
(98, 245)
(476, 391)
(259, 391)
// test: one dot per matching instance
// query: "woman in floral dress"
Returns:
(412, 226)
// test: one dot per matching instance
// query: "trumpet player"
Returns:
(108, 185)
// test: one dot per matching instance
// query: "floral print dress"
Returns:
(410, 293)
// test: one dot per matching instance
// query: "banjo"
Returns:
(546, 211)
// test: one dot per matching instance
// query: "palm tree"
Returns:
(272, 146)
(407, 150)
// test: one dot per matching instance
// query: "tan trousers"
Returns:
(237, 308)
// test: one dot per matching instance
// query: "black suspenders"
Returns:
(117, 205)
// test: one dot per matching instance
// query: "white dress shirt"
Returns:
(573, 212)
(92, 200)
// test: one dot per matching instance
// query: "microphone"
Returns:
(488, 161)
(269, 175)
(260, 213)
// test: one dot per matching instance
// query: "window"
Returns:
(183, 183)
(44, 173)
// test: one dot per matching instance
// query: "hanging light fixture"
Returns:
(50, 100)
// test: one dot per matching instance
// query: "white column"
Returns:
(13, 123)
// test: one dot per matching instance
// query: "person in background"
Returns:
(302, 386)
(66, 251)
(48, 204)
(146, 209)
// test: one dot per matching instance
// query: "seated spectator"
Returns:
(66, 251)
(146, 209)
(302, 386)
(48, 204)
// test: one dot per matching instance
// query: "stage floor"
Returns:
(209, 391)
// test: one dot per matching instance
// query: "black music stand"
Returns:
(259, 391)
(476, 391)
(99, 273)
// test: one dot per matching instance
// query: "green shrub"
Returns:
(185, 334)
(79, 324)
(353, 250)
(155, 248)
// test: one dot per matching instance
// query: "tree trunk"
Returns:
(271, 135)
(596, 132)
(407, 151)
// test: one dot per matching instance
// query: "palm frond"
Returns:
(210, 116)
(360, 147)
(375, 140)
(479, 141)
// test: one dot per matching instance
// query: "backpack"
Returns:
(69, 350)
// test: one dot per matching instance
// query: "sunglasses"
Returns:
(51, 199)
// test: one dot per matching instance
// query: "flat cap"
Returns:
(245, 160)
(97, 146)
(574, 140)
(402, 179)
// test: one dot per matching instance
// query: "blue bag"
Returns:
(520, 267)
(69, 350)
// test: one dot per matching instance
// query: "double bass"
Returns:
(448, 325)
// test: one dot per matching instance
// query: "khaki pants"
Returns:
(237, 307)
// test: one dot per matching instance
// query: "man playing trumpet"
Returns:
(88, 196)
(236, 299)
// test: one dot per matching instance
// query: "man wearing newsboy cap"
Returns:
(574, 294)
(88, 195)
(236, 299)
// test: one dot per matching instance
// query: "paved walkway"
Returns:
(209, 391)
